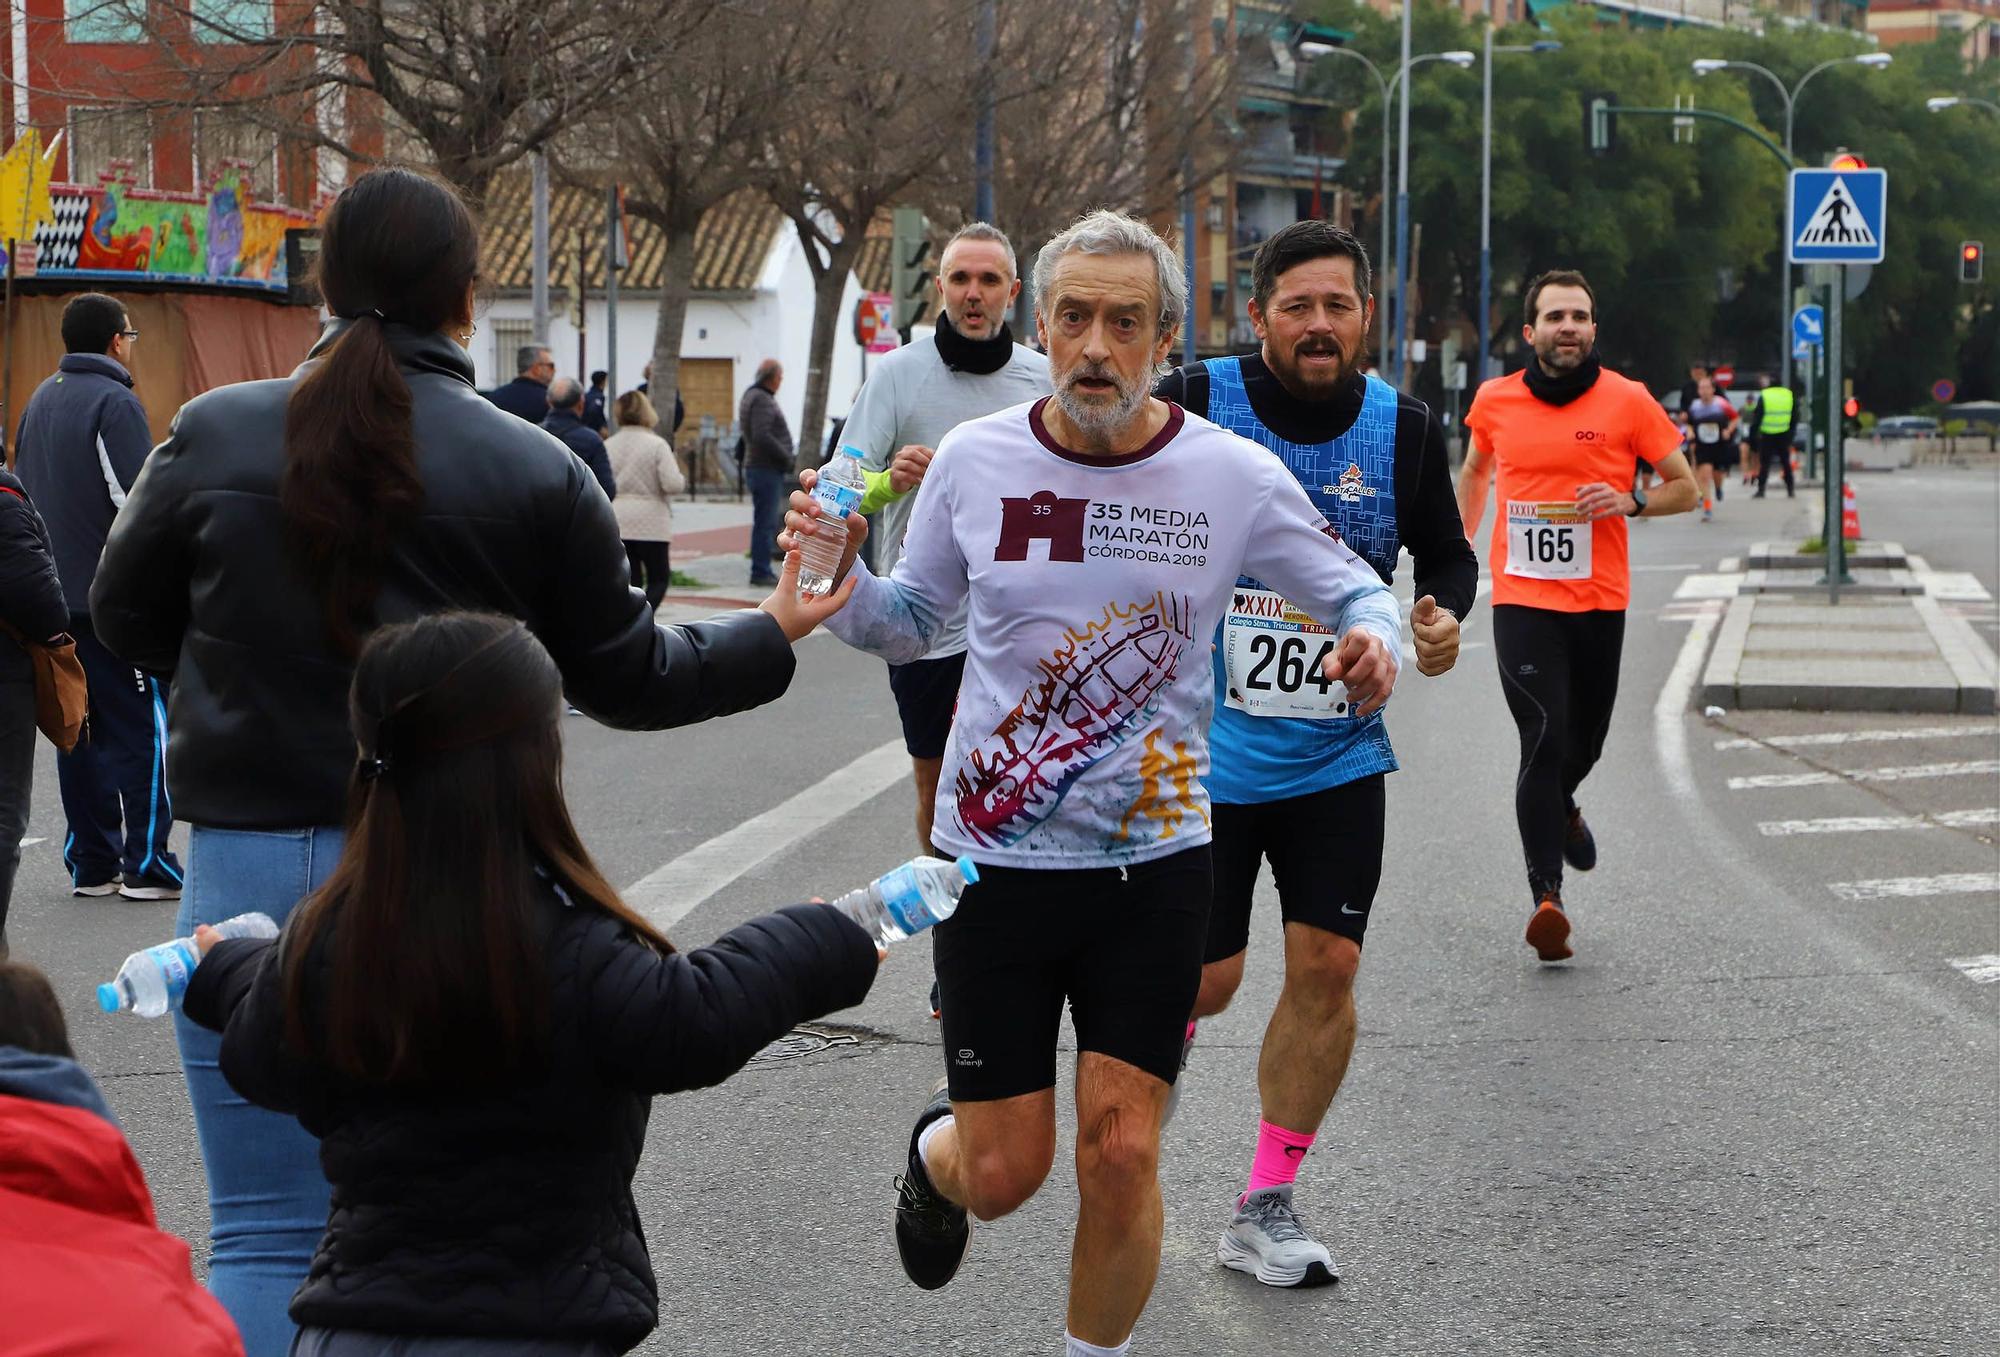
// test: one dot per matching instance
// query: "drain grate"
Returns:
(803, 1042)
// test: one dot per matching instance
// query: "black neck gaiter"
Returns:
(973, 355)
(1562, 389)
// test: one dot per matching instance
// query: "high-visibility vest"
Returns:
(1776, 403)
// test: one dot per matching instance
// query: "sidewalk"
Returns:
(711, 538)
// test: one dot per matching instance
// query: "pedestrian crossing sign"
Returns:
(1836, 216)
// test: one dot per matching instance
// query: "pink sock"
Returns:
(1279, 1153)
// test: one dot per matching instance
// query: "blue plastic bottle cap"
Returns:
(856, 453)
(107, 998)
(967, 870)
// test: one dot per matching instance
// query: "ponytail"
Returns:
(396, 249)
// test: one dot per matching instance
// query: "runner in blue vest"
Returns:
(1295, 777)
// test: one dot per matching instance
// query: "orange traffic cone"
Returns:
(1850, 513)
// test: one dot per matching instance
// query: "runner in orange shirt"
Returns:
(1564, 438)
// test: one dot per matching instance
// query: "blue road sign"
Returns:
(1836, 216)
(1808, 326)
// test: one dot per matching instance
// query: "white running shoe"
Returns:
(1268, 1240)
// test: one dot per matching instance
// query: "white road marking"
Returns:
(1914, 772)
(666, 894)
(1864, 736)
(1976, 818)
(30, 843)
(1957, 585)
(1671, 707)
(1665, 567)
(1708, 586)
(1980, 970)
(1909, 887)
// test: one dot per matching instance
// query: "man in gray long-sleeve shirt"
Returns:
(82, 440)
(767, 465)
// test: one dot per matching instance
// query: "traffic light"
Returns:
(910, 276)
(1971, 261)
(1846, 160)
(1851, 407)
(1600, 125)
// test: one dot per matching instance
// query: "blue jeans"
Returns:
(267, 1198)
(767, 517)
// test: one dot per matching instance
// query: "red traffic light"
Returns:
(1971, 261)
(1847, 160)
(1851, 408)
(1969, 251)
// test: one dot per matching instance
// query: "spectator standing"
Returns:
(767, 464)
(82, 441)
(593, 404)
(648, 475)
(483, 1102)
(565, 421)
(280, 524)
(31, 604)
(84, 1266)
(528, 394)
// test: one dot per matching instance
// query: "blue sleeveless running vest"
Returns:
(1352, 480)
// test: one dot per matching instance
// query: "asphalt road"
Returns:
(1755, 1114)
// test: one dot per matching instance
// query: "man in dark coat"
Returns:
(594, 417)
(31, 603)
(565, 421)
(767, 462)
(82, 440)
(528, 394)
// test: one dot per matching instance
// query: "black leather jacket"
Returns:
(196, 581)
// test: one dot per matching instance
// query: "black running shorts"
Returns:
(1124, 948)
(1326, 855)
(926, 695)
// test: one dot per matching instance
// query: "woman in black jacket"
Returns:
(31, 604)
(474, 1024)
(281, 522)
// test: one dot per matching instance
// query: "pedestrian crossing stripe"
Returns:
(1837, 221)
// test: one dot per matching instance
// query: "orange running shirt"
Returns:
(1542, 555)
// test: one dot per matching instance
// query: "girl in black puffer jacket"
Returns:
(474, 1024)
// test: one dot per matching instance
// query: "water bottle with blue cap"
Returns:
(906, 901)
(838, 491)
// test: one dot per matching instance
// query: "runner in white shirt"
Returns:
(1095, 538)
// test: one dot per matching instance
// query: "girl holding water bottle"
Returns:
(474, 1024)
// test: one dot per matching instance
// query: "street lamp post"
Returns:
(1940, 103)
(1709, 65)
(1460, 59)
(1486, 191)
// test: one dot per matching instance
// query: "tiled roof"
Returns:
(730, 246)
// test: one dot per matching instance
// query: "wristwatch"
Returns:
(1638, 502)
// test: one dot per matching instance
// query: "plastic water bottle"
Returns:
(838, 491)
(152, 981)
(921, 892)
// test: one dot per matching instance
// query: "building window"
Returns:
(222, 137)
(104, 20)
(100, 136)
(230, 20)
(508, 337)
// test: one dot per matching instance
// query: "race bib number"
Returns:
(1547, 541)
(1708, 431)
(1275, 658)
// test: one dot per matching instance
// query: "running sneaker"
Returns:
(937, 1000)
(95, 887)
(1174, 1093)
(933, 1235)
(1579, 844)
(151, 888)
(1268, 1240)
(1718, 489)
(1548, 930)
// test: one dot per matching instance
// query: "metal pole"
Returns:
(982, 198)
(1403, 201)
(1784, 265)
(1836, 463)
(1187, 262)
(7, 449)
(611, 243)
(1485, 209)
(541, 247)
(1383, 266)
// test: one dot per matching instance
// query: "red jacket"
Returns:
(84, 1269)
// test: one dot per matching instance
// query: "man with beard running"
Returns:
(1095, 538)
(916, 395)
(1563, 439)
(1296, 777)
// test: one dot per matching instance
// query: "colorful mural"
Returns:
(116, 230)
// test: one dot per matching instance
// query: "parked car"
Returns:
(1906, 426)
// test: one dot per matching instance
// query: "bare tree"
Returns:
(884, 113)
(689, 137)
(475, 85)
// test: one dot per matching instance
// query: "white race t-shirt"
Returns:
(1093, 588)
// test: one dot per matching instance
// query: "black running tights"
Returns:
(651, 568)
(1560, 674)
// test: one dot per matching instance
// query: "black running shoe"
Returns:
(933, 1235)
(1579, 844)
